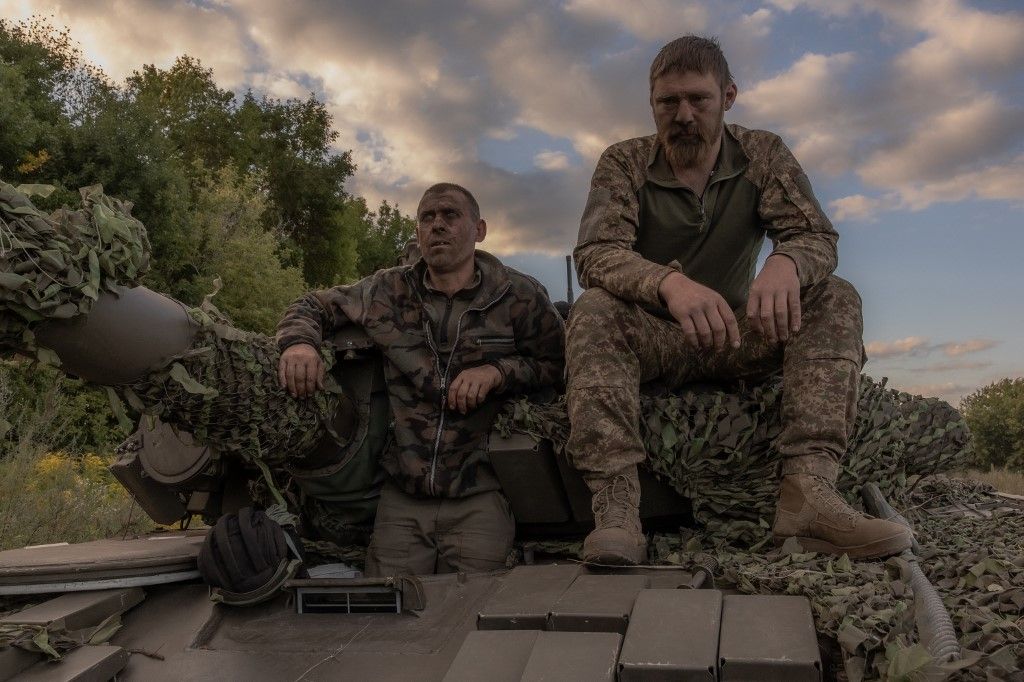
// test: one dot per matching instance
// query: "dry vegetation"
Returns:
(1004, 480)
(49, 495)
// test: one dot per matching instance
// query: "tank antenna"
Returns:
(568, 278)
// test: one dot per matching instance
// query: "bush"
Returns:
(80, 418)
(995, 415)
(49, 495)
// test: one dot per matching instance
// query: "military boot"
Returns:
(811, 510)
(617, 537)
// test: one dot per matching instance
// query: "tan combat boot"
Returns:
(811, 510)
(617, 537)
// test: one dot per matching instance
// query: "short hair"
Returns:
(442, 187)
(692, 53)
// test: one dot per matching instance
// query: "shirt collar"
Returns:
(467, 290)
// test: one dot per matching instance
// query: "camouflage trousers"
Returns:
(614, 346)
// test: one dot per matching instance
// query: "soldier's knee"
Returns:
(842, 293)
(595, 306)
(833, 297)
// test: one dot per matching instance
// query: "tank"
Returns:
(715, 602)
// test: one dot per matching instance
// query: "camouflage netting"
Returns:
(224, 389)
(715, 447)
(976, 564)
(225, 392)
(55, 266)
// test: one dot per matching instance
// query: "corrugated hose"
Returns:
(933, 622)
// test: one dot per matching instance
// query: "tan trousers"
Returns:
(420, 536)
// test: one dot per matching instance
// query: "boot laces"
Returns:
(829, 498)
(612, 504)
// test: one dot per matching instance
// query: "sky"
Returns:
(908, 117)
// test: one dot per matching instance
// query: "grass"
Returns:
(51, 495)
(1003, 480)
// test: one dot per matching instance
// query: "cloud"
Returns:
(415, 87)
(996, 182)
(121, 36)
(920, 345)
(806, 100)
(930, 124)
(951, 366)
(861, 207)
(651, 20)
(944, 144)
(955, 349)
(758, 23)
(886, 349)
(963, 41)
(551, 161)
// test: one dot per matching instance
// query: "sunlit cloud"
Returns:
(551, 161)
(758, 23)
(955, 349)
(951, 366)
(887, 349)
(654, 20)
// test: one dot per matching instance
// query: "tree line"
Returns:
(242, 186)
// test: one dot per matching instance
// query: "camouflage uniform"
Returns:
(620, 335)
(443, 509)
(510, 323)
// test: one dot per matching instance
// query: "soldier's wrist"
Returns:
(670, 285)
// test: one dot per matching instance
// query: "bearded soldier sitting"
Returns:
(459, 332)
(667, 250)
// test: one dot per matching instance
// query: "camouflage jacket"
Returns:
(760, 189)
(510, 324)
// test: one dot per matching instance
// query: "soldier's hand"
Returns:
(706, 319)
(773, 306)
(471, 387)
(301, 370)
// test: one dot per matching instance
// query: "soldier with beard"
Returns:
(667, 251)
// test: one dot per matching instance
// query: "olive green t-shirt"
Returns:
(714, 238)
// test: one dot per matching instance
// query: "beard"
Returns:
(688, 146)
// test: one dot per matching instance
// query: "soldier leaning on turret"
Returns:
(459, 333)
(667, 250)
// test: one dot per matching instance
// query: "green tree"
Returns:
(63, 122)
(234, 247)
(995, 415)
(387, 231)
(286, 143)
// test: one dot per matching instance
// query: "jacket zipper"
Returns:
(444, 382)
(444, 321)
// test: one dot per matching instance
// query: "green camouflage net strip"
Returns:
(56, 642)
(320, 552)
(55, 266)
(715, 447)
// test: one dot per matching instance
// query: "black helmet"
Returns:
(247, 556)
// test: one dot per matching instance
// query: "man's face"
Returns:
(447, 231)
(689, 112)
